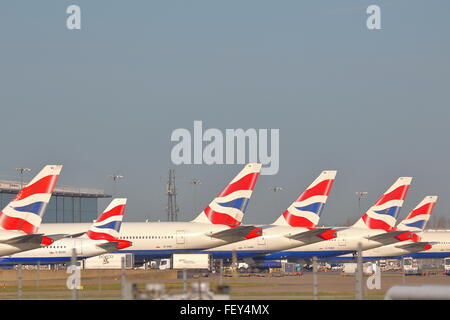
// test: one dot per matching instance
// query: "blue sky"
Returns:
(104, 99)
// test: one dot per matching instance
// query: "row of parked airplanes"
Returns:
(217, 230)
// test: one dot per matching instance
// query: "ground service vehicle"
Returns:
(410, 266)
(447, 266)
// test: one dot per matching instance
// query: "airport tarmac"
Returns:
(331, 285)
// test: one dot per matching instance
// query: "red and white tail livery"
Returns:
(218, 224)
(305, 211)
(24, 213)
(417, 219)
(383, 214)
(229, 206)
(107, 226)
(410, 240)
(102, 237)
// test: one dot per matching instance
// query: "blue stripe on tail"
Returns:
(239, 203)
(111, 225)
(313, 207)
(392, 211)
(35, 207)
(418, 224)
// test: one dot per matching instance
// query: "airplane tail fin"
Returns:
(417, 219)
(25, 211)
(107, 226)
(305, 211)
(383, 214)
(229, 206)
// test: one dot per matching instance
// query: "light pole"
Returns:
(361, 195)
(276, 189)
(195, 182)
(22, 171)
(115, 178)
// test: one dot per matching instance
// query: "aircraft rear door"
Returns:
(78, 245)
(262, 244)
(180, 240)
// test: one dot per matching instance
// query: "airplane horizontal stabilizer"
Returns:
(392, 237)
(233, 234)
(312, 236)
(415, 246)
(109, 246)
(60, 236)
(28, 238)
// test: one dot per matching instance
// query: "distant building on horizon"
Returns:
(67, 204)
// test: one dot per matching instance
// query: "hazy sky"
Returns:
(373, 105)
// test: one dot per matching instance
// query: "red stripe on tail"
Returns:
(221, 218)
(44, 185)
(321, 189)
(296, 221)
(376, 224)
(118, 210)
(397, 194)
(425, 209)
(100, 236)
(13, 223)
(245, 183)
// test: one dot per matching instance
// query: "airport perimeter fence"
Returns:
(118, 284)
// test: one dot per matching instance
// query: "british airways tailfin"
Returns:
(229, 206)
(305, 211)
(383, 214)
(107, 226)
(25, 211)
(417, 219)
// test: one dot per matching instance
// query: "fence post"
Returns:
(38, 275)
(221, 272)
(403, 274)
(315, 278)
(234, 263)
(123, 279)
(184, 280)
(19, 279)
(73, 262)
(359, 275)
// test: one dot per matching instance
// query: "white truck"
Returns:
(199, 261)
(411, 267)
(160, 264)
(447, 266)
(191, 261)
(164, 264)
(109, 261)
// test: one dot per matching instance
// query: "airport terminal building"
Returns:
(67, 204)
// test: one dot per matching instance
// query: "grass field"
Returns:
(330, 286)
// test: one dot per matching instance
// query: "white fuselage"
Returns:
(154, 239)
(15, 247)
(346, 241)
(58, 252)
(273, 238)
(440, 241)
(441, 246)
